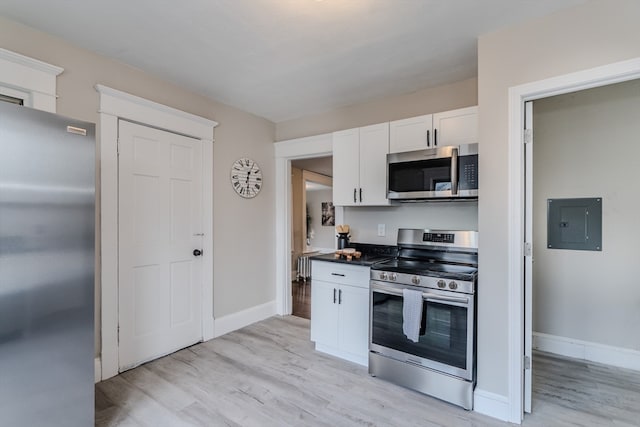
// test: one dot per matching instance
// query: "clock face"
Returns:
(246, 177)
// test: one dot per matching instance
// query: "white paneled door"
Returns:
(160, 226)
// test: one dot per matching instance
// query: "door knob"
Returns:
(197, 252)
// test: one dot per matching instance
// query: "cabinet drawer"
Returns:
(343, 274)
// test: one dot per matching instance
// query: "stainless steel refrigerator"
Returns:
(47, 211)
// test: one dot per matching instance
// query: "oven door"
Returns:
(446, 341)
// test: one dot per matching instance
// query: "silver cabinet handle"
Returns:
(340, 296)
(360, 195)
(435, 137)
(355, 192)
(428, 139)
(334, 295)
(337, 274)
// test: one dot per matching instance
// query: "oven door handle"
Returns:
(434, 297)
(425, 295)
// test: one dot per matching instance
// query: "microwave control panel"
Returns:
(438, 237)
(468, 172)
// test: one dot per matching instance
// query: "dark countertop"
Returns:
(364, 260)
(371, 254)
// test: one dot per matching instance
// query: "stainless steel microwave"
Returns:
(435, 173)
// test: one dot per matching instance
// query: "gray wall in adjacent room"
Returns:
(324, 237)
(586, 145)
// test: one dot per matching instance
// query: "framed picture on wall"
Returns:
(328, 214)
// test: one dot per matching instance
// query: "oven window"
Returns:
(423, 175)
(443, 331)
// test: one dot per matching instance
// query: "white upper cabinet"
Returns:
(411, 134)
(453, 127)
(346, 166)
(359, 166)
(456, 127)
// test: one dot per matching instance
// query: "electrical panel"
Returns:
(574, 224)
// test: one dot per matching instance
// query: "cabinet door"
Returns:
(374, 147)
(410, 134)
(324, 313)
(456, 127)
(353, 328)
(346, 167)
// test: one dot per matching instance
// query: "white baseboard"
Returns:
(97, 370)
(207, 329)
(491, 404)
(585, 350)
(232, 322)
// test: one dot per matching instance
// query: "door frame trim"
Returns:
(285, 151)
(115, 105)
(586, 79)
(35, 80)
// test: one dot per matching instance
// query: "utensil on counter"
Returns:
(348, 253)
(343, 235)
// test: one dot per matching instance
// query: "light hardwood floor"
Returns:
(268, 374)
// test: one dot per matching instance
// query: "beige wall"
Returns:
(426, 101)
(243, 229)
(596, 33)
(458, 215)
(586, 145)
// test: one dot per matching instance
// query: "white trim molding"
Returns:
(34, 78)
(586, 350)
(491, 404)
(131, 107)
(235, 321)
(518, 95)
(285, 151)
(115, 105)
(97, 370)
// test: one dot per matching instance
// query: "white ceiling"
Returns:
(282, 59)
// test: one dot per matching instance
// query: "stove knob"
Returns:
(393, 276)
(415, 280)
(442, 284)
(383, 276)
(453, 285)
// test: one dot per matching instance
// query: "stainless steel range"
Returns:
(440, 267)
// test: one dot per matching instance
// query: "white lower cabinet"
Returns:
(340, 310)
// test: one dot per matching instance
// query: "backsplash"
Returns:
(457, 215)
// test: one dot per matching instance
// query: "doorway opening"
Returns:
(312, 221)
(520, 330)
(584, 142)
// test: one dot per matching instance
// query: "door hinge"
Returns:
(527, 249)
(528, 136)
(526, 362)
(118, 334)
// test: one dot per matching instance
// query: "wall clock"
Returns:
(246, 178)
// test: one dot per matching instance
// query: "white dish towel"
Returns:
(411, 313)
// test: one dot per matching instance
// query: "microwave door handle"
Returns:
(454, 171)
